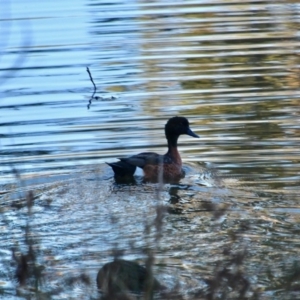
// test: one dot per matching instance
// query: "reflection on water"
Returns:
(231, 69)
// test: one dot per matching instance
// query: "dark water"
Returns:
(231, 68)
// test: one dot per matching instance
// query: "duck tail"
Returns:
(122, 168)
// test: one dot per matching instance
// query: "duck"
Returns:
(122, 275)
(167, 167)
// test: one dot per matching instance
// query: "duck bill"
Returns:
(191, 133)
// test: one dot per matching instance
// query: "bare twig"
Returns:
(95, 88)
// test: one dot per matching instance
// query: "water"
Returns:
(232, 69)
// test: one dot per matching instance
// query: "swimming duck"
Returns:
(168, 166)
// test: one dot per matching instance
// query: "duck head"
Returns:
(177, 126)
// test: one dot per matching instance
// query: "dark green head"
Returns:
(177, 126)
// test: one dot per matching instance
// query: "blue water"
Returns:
(231, 69)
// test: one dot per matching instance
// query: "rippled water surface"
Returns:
(232, 68)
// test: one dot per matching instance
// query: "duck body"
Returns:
(167, 167)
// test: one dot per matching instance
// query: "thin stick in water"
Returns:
(95, 88)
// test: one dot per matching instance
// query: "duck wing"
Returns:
(127, 165)
(145, 158)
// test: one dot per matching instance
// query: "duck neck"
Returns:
(172, 141)
(172, 148)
